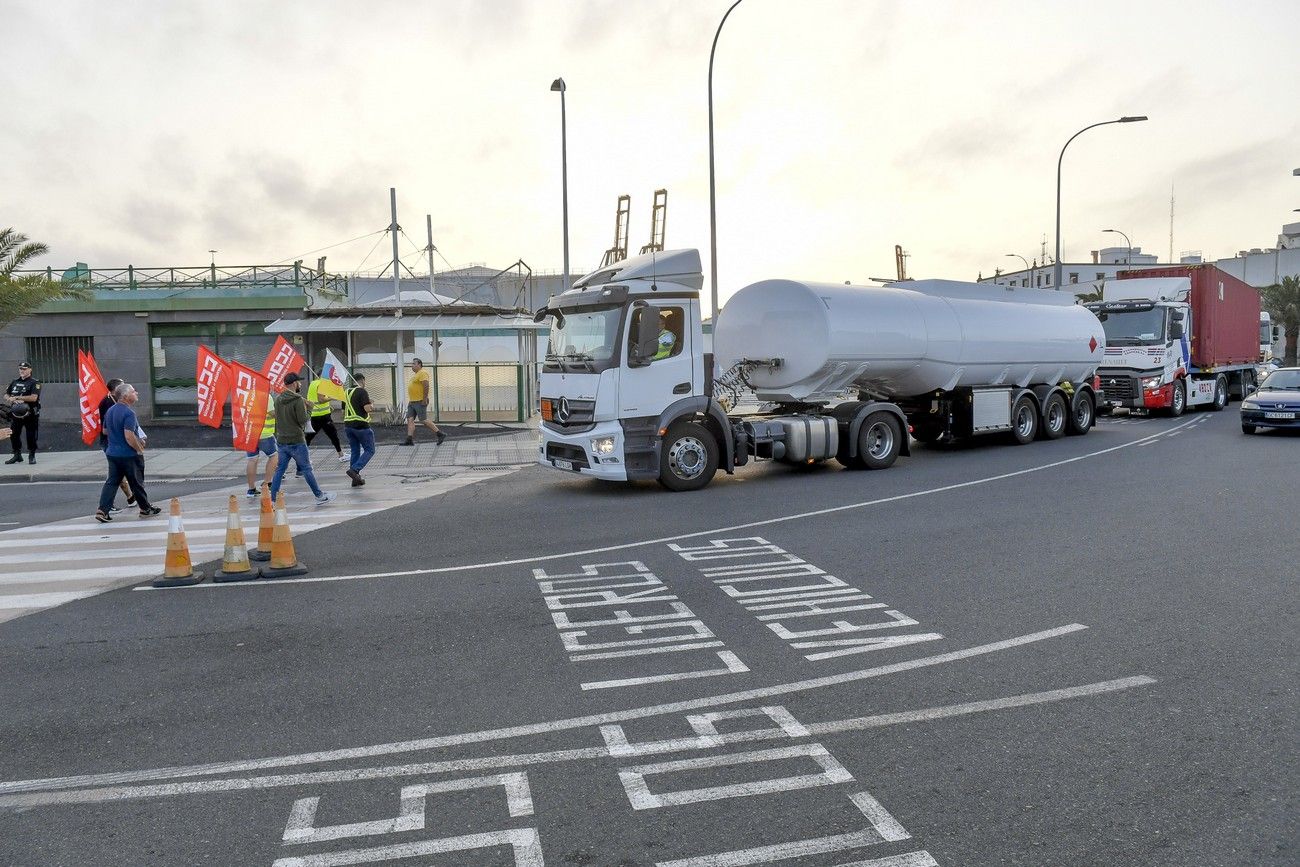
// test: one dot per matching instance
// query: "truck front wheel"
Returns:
(1178, 402)
(689, 457)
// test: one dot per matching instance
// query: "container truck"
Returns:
(1177, 337)
(845, 372)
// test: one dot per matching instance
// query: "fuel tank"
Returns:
(904, 339)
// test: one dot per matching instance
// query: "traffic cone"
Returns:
(234, 564)
(284, 562)
(265, 528)
(178, 571)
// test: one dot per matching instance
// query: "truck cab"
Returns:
(625, 358)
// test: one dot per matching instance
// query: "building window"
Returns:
(54, 359)
(1074, 276)
(174, 350)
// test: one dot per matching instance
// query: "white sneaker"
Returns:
(343, 459)
(325, 497)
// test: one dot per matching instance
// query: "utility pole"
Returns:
(428, 224)
(399, 376)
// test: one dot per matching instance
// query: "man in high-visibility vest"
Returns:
(356, 424)
(321, 418)
(667, 341)
(266, 445)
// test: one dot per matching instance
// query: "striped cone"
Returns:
(265, 528)
(234, 564)
(178, 571)
(284, 561)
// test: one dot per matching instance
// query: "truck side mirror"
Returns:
(1177, 330)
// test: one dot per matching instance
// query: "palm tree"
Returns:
(1282, 301)
(21, 294)
(1090, 296)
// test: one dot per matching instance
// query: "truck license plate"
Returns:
(1286, 415)
(564, 465)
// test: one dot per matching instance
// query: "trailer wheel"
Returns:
(1179, 401)
(1220, 393)
(879, 441)
(689, 458)
(1054, 419)
(1024, 421)
(1083, 414)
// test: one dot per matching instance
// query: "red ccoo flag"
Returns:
(213, 377)
(248, 405)
(282, 361)
(91, 390)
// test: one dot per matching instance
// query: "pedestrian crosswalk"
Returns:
(59, 562)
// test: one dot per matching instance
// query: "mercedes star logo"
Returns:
(563, 413)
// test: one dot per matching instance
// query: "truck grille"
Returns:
(1119, 387)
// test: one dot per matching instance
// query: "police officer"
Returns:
(24, 398)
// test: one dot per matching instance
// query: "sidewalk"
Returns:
(423, 459)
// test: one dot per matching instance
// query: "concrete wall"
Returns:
(121, 348)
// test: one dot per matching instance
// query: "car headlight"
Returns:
(1249, 404)
(1150, 382)
(603, 445)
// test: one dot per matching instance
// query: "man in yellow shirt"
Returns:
(417, 403)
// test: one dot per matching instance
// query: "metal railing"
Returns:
(469, 392)
(236, 279)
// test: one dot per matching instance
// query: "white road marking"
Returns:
(641, 798)
(880, 818)
(525, 842)
(34, 797)
(766, 522)
(731, 664)
(911, 859)
(532, 728)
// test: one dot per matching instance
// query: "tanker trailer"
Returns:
(844, 372)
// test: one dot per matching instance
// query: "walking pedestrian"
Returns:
(266, 445)
(125, 454)
(356, 424)
(322, 419)
(104, 406)
(417, 403)
(291, 418)
(24, 398)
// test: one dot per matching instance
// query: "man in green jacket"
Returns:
(291, 417)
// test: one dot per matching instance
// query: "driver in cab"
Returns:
(669, 335)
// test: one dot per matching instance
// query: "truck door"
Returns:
(659, 359)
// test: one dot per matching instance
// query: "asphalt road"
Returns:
(1080, 652)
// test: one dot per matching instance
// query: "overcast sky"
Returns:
(148, 132)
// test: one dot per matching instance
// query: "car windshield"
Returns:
(1135, 327)
(1282, 380)
(584, 339)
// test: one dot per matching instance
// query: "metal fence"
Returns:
(461, 392)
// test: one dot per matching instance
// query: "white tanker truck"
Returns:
(628, 392)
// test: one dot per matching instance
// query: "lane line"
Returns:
(694, 535)
(337, 755)
(103, 794)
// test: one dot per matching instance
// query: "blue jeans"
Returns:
(362, 442)
(298, 453)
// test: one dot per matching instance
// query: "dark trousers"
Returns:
(324, 424)
(131, 469)
(32, 424)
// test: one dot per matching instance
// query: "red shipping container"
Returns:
(1225, 314)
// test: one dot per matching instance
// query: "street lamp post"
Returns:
(557, 86)
(1128, 256)
(1056, 271)
(1027, 270)
(713, 188)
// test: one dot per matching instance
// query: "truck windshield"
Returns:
(1265, 333)
(1135, 327)
(586, 341)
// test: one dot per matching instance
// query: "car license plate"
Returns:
(1287, 415)
(564, 465)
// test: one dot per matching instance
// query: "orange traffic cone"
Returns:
(265, 528)
(234, 564)
(284, 562)
(178, 571)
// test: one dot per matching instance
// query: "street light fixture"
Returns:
(1056, 271)
(1128, 257)
(557, 86)
(1030, 278)
(713, 188)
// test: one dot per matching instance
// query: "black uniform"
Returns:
(30, 421)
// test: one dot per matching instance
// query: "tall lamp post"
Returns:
(1296, 173)
(1128, 257)
(1026, 261)
(557, 86)
(1056, 271)
(713, 188)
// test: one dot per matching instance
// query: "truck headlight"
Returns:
(1151, 383)
(603, 445)
(1249, 404)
